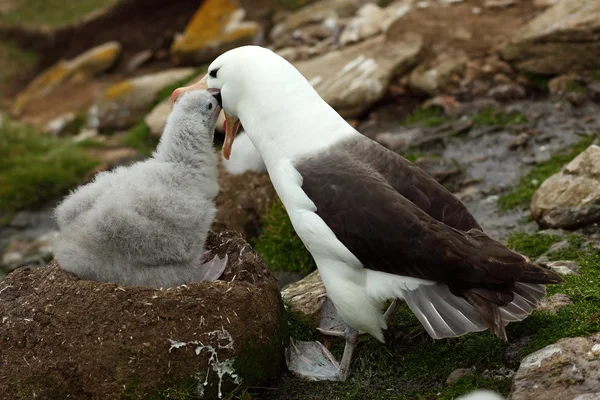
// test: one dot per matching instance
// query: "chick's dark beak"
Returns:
(217, 95)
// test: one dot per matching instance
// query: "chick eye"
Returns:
(209, 106)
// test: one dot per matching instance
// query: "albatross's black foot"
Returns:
(213, 269)
(312, 361)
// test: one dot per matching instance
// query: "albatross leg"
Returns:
(312, 360)
(213, 269)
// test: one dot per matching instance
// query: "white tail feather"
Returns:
(446, 315)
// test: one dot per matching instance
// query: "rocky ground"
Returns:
(499, 100)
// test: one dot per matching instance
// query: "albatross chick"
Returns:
(146, 224)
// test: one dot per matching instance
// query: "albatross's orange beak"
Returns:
(232, 124)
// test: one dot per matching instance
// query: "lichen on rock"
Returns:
(216, 27)
(87, 64)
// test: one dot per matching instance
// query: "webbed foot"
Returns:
(213, 269)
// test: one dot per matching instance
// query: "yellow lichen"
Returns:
(42, 85)
(208, 26)
(86, 64)
(118, 90)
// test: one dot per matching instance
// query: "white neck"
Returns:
(292, 131)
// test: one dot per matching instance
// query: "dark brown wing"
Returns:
(397, 219)
(411, 182)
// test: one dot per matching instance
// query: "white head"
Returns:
(265, 92)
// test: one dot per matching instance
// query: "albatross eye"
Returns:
(213, 73)
(209, 106)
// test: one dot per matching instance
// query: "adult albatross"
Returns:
(377, 226)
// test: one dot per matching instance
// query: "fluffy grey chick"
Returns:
(146, 224)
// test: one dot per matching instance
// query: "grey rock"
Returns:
(561, 39)
(124, 103)
(459, 373)
(553, 303)
(21, 220)
(565, 267)
(571, 198)
(432, 77)
(560, 371)
(507, 91)
(354, 78)
(315, 13)
(25, 252)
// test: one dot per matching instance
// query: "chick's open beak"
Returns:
(232, 123)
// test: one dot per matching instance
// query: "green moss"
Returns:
(185, 390)
(577, 319)
(166, 92)
(596, 74)
(531, 245)
(36, 168)
(426, 117)
(139, 138)
(75, 126)
(413, 157)
(300, 328)
(279, 245)
(51, 12)
(489, 116)
(468, 384)
(520, 196)
(410, 365)
(263, 360)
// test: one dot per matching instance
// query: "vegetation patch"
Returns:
(36, 168)
(520, 196)
(50, 12)
(414, 156)
(139, 138)
(279, 245)
(426, 117)
(490, 116)
(410, 365)
(577, 319)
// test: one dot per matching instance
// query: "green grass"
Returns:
(35, 168)
(413, 157)
(279, 245)
(426, 117)
(578, 319)
(15, 60)
(434, 116)
(139, 138)
(412, 366)
(596, 74)
(489, 116)
(50, 12)
(520, 196)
